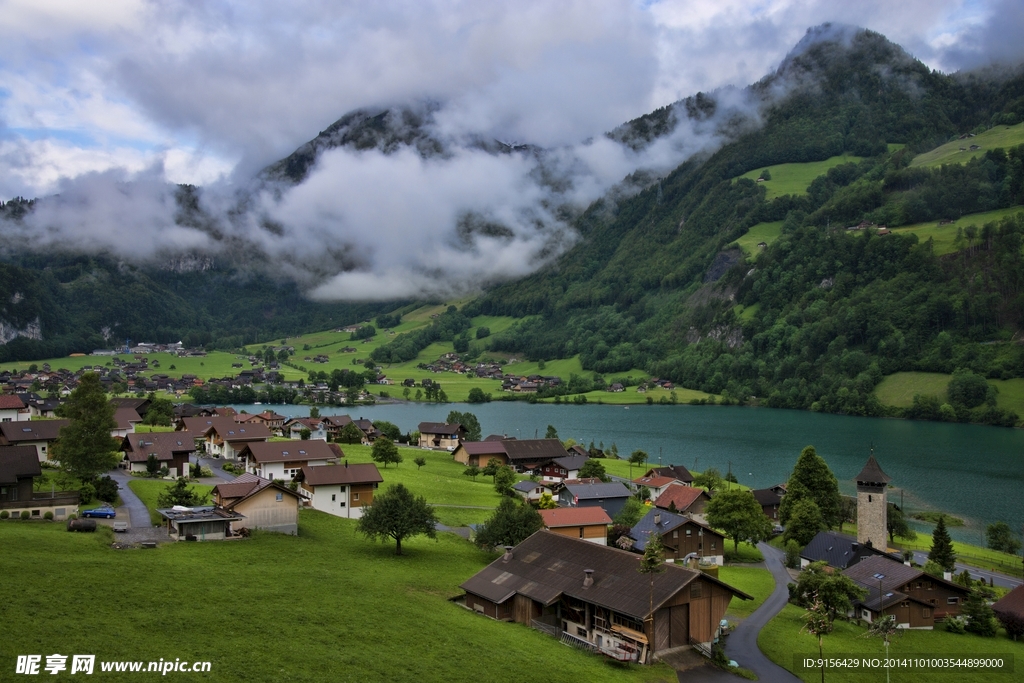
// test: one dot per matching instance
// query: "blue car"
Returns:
(106, 512)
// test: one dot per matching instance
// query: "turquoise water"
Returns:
(973, 472)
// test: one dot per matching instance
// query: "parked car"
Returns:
(120, 526)
(107, 512)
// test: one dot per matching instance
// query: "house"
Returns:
(126, 419)
(656, 484)
(264, 504)
(13, 409)
(527, 455)
(836, 550)
(40, 434)
(272, 421)
(317, 429)
(222, 436)
(677, 472)
(341, 490)
(682, 537)
(285, 459)
(683, 499)
(203, 523)
(480, 452)
(139, 405)
(1010, 606)
(916, 599)
(560, 469)
(592, 597)
(440, 435)
(19, 466)
(611, 497)
(531, 490)
(589, 524)
(172, 450)
(769, 500)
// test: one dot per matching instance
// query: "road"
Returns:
(1000, 579)
(138, 515)
(741, 645)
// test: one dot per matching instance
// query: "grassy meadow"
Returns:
(762, 232)
(326, 605)
(899, 389)
(796, 178)
(944, 236)
(994, 138)
(754, 581)
(783, 639)
(148, 490)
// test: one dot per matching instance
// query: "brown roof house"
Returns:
(656, 484)
(225, 438)
(19, 466)
(13, 409)
(441, 435)
(917, 599)
(588, 524)
(592, 597)
(341, 490)
(1009, 610)
(171, 450)
(264, 504)
(527, 455)
(480, 452)
(40, 434)
(285, 459)
(683, 499)
(682, 536)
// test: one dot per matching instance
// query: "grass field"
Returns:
(214, 364)
(944, 236)
(993, 138)
(796, 178)
(753, 581)
(899, 388)
(974, 555)
(149, 489)
(762, 232)
(326, 605)
(782, 640)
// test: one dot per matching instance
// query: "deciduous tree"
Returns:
(1000, 537)
(85, 448)
(512, 522)
(180, 493)
(593, 469)
(469, 423)
(385, 451)
(504, 479)
(738, 514)
(804, 522)
(398, 514)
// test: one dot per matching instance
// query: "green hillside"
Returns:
(997, 137)
(795, 178)
(944, 237)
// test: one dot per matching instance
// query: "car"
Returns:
(120, 526)
(107, 512)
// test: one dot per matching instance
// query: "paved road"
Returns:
(137, 512)
(215, 465)
(741, 645)
(1000, 579)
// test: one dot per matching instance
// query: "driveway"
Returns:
(138, 515)
(741, 645)
(215, 465)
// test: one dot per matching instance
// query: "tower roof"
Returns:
(872, 473)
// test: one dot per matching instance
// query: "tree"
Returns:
(160, 412)
(492, 467)
(821, 485)
(468, 422)
(512, 522)
(652, 563)
(180, 493)
(472, 471)
(1012, 621)
(547, 502)
(834, 590)
(804, 522)
(631, 513)
(886, 628)
(305, 433)
(350, 433)
(979, 615)
(420, 462)
(593, 469)
(738, 514)
(792, 554)
(636, 458)
(477, 395)
(896, 524)
(397, 514)
(817, 623)
(551, 432)
(385, 451)
(999, 537)
(314, 412)
(504, 478)
(388, 429)
(85, 448)
(847, 510)
(941, 552)
(152, 465)
(711, 479)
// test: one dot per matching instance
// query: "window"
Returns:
(334, 497)
(675, 534)
(869, 497)
(688, 532)
(581, 532)
(581, 632)
(355, 496)
(279, 497)
(952, 601)
(926, 612)
(712, 545)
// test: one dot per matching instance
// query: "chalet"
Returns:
(526, 455)
(683, 499)
(264, 504)
(13, 409)
(203, 523)
(139, 405)
(610, 497)
(560, 469)
(678, 472)
(836, 550)
(222, 436)
(657, 484)
(317, 430)
(1009, 609)
(335, 423)
(269, 418)
(769, 500)
(171, 450)
(916, 599)
(441, 435)
(480, 452)
(682, 536)
(126, 419)
(589, 524)
(19, 466)
(40, 434)
(341, 490)
(592, 597)
(531, 490)
(285, 459)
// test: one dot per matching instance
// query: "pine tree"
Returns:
(941, 552)
(813, 472)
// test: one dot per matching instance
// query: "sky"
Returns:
(107, 103)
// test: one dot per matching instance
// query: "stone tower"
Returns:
(871, 505)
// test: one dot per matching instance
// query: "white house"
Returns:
(285, 459)
(341, 490)
(13, 409)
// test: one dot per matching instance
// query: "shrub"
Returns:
(86, 493)
(792, 554)
(205, 472)
(228, 467)
(106, 489)
(956, 625)
(25, 514)
(4, 514)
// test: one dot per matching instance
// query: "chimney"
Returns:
(589, 581)
(855, 546)
(657, 518)
(508, 554)
(948, 576)
(346, 462)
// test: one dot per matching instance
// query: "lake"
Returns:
(971, 471)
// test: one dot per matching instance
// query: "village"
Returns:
(577, 573)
